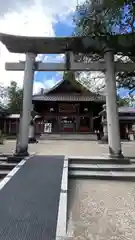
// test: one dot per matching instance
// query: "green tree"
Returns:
(88, 80)
(123, 101)
(15, 96)
(103, 18)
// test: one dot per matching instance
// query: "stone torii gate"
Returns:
(69, 46)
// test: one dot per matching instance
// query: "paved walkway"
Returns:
(29, 203)
(69, 148)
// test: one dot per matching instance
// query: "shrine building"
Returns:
(68, 107)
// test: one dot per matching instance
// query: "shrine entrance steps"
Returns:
(101, 168)
(69, 136)
(34, 195)
(7, 163)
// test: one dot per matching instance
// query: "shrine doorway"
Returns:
(67, 124)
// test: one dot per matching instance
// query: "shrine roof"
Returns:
(122, 110)
(17, 116)
(127, 110)
(57, 45)
(68, 98)
(74, 84)
(69, 90)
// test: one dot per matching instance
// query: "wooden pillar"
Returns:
(91, 122)
(77, 123)
(5, 130)
(9, 126)
(16, 127)
(58, 123)
(42, 126)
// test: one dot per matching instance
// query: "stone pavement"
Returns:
(69, 148)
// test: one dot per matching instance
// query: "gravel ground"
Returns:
(101, 210)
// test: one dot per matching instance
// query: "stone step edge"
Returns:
(101, 161)
(102, 175)
(101, 167)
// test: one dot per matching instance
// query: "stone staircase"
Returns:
(83, 168)
(69, 136)
(101, 168)
(7, 163)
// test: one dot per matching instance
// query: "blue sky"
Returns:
(61, 29)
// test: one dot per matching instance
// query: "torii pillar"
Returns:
(111, 107)
(22, 143)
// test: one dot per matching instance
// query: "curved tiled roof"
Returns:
(68, 98)
(127, 110)
(130, 110)
(84, 95)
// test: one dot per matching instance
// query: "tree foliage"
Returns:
(15, 96)
(94, 87)
(123, 101)
(3, 101)
(105, 17)
(102, 17)
(3, 92)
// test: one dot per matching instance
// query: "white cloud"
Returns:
(31, 22)
(5, 76)
(53, 58)
(37, 87)
(32, 18)
(40, 25)
(50, 83)
(50, 7)
(45, 84)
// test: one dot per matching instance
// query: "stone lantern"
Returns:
(104, 124)
(32, 137)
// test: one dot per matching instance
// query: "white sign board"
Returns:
(48, 128)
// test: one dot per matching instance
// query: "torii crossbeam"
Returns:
(93, 66)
